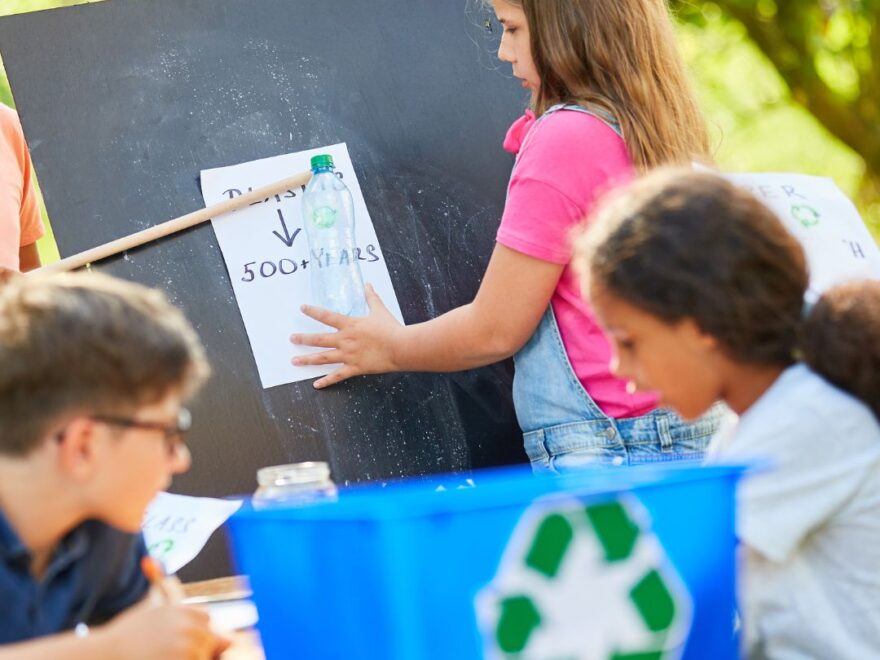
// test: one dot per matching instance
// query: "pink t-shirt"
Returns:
(20, 222)
(569, 159)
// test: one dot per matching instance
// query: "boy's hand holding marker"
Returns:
(168, 631)
(174, 630)
(164, 589)
(159, 628)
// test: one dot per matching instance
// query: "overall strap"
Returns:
(605, 117)
(602, 115)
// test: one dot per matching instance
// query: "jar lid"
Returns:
(294, 473)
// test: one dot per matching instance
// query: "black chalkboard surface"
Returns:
(124, 102)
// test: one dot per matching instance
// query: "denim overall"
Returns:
(562, 426)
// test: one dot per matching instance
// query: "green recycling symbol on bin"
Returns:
(585, 581)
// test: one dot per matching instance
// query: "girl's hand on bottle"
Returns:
(361, 344)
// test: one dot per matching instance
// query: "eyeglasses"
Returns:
(172, 433)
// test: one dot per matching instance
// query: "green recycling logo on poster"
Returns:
(585, 581)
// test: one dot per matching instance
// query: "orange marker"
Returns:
(156, 576)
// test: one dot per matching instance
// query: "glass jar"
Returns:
(294, 484)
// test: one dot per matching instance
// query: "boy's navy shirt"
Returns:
(93, 575)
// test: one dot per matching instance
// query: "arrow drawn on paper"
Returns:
(287, 238)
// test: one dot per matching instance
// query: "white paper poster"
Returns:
(835, 239)
(267, 256)
(177, 527)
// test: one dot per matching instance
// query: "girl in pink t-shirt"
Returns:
(609, 98)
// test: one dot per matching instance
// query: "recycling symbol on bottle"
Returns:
(324, 217)
(584, 581)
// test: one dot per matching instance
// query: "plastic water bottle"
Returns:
(328, 217)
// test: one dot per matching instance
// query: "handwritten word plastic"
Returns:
(268, 258)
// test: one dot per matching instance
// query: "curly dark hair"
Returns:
(684, 244)
(841, 339)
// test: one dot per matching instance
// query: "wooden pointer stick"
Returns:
(173, 226)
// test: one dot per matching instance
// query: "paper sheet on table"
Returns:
(230, 615)
(837, 243)
(267, 256)
(176, 527)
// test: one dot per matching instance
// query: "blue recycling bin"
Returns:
(638, 563)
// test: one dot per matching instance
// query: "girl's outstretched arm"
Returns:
(512, 298)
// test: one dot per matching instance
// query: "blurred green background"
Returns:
(786, 86)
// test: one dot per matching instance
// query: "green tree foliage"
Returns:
(827, 52)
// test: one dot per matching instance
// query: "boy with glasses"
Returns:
(93, 376)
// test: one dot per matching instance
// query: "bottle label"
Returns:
(324, 217)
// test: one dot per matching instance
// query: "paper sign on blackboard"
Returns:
(268, 259)
(837, 243)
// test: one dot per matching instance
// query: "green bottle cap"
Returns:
(322, 160)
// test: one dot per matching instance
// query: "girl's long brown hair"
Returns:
(619, 56)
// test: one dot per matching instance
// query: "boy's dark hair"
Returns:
(82, 343)
(684, 244)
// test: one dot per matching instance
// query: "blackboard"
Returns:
(124, 102)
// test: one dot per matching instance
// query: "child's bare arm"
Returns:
(28, 257)
(512, 298)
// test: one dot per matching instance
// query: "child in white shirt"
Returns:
(701, 290)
